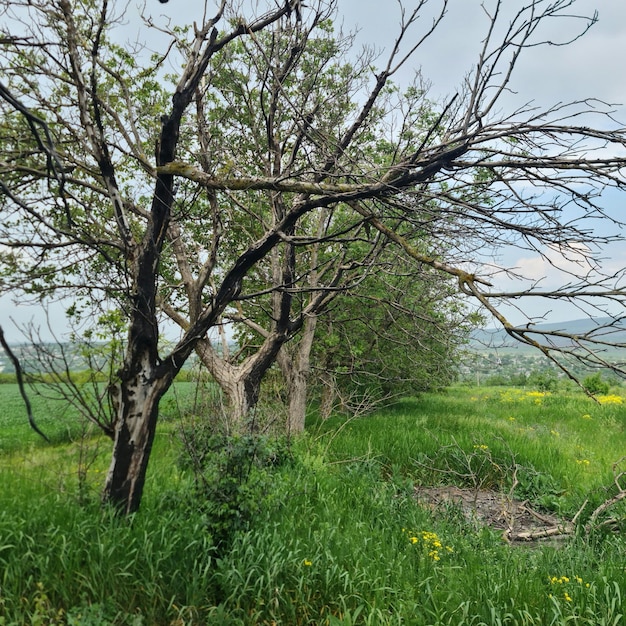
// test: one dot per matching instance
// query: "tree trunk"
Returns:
(328, 395)
(241, 383)
(296, 368)
(242, 389)
(298, 394)
(137, 412)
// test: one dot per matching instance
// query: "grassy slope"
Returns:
(339, 540)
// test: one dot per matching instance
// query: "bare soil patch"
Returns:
(517, 520)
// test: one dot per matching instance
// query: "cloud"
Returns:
(557, 265)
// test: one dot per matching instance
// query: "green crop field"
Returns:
(325, 529)
(53, 417)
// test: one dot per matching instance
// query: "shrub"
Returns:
(595, 385)
(233, 476)
(545, 380)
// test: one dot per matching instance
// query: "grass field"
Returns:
(329, 531)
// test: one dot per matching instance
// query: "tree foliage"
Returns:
(397, 333)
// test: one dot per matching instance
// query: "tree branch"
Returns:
(20, 382)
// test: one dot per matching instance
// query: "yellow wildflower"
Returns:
(559, 581)
(610, 399)
(431, 542)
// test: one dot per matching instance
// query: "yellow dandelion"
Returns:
(555, 580)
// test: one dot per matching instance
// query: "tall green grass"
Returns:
(52, 417)
(340, 538)
(567, 442)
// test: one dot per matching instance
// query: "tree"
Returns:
(145, 173)
(300, 69)
(396, 334)
(594, 384)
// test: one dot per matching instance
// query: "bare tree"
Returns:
(166, 204)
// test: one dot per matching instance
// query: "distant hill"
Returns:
(492, 338)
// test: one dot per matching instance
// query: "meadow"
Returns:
(323, 529)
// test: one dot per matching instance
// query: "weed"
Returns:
(232, 477)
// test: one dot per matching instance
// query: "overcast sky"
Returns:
(592, 66)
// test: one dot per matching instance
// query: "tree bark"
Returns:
(328, 395)
(241, 383)
(298, 387)
(137, 412)
(295, 366)
(242, 388)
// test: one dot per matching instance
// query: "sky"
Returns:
(590, 67)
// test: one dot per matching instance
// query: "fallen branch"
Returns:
(556, 531)
(620, 495)
(502, 511)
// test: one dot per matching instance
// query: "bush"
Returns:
(545, 380)
(595, 385)
(233, 477)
